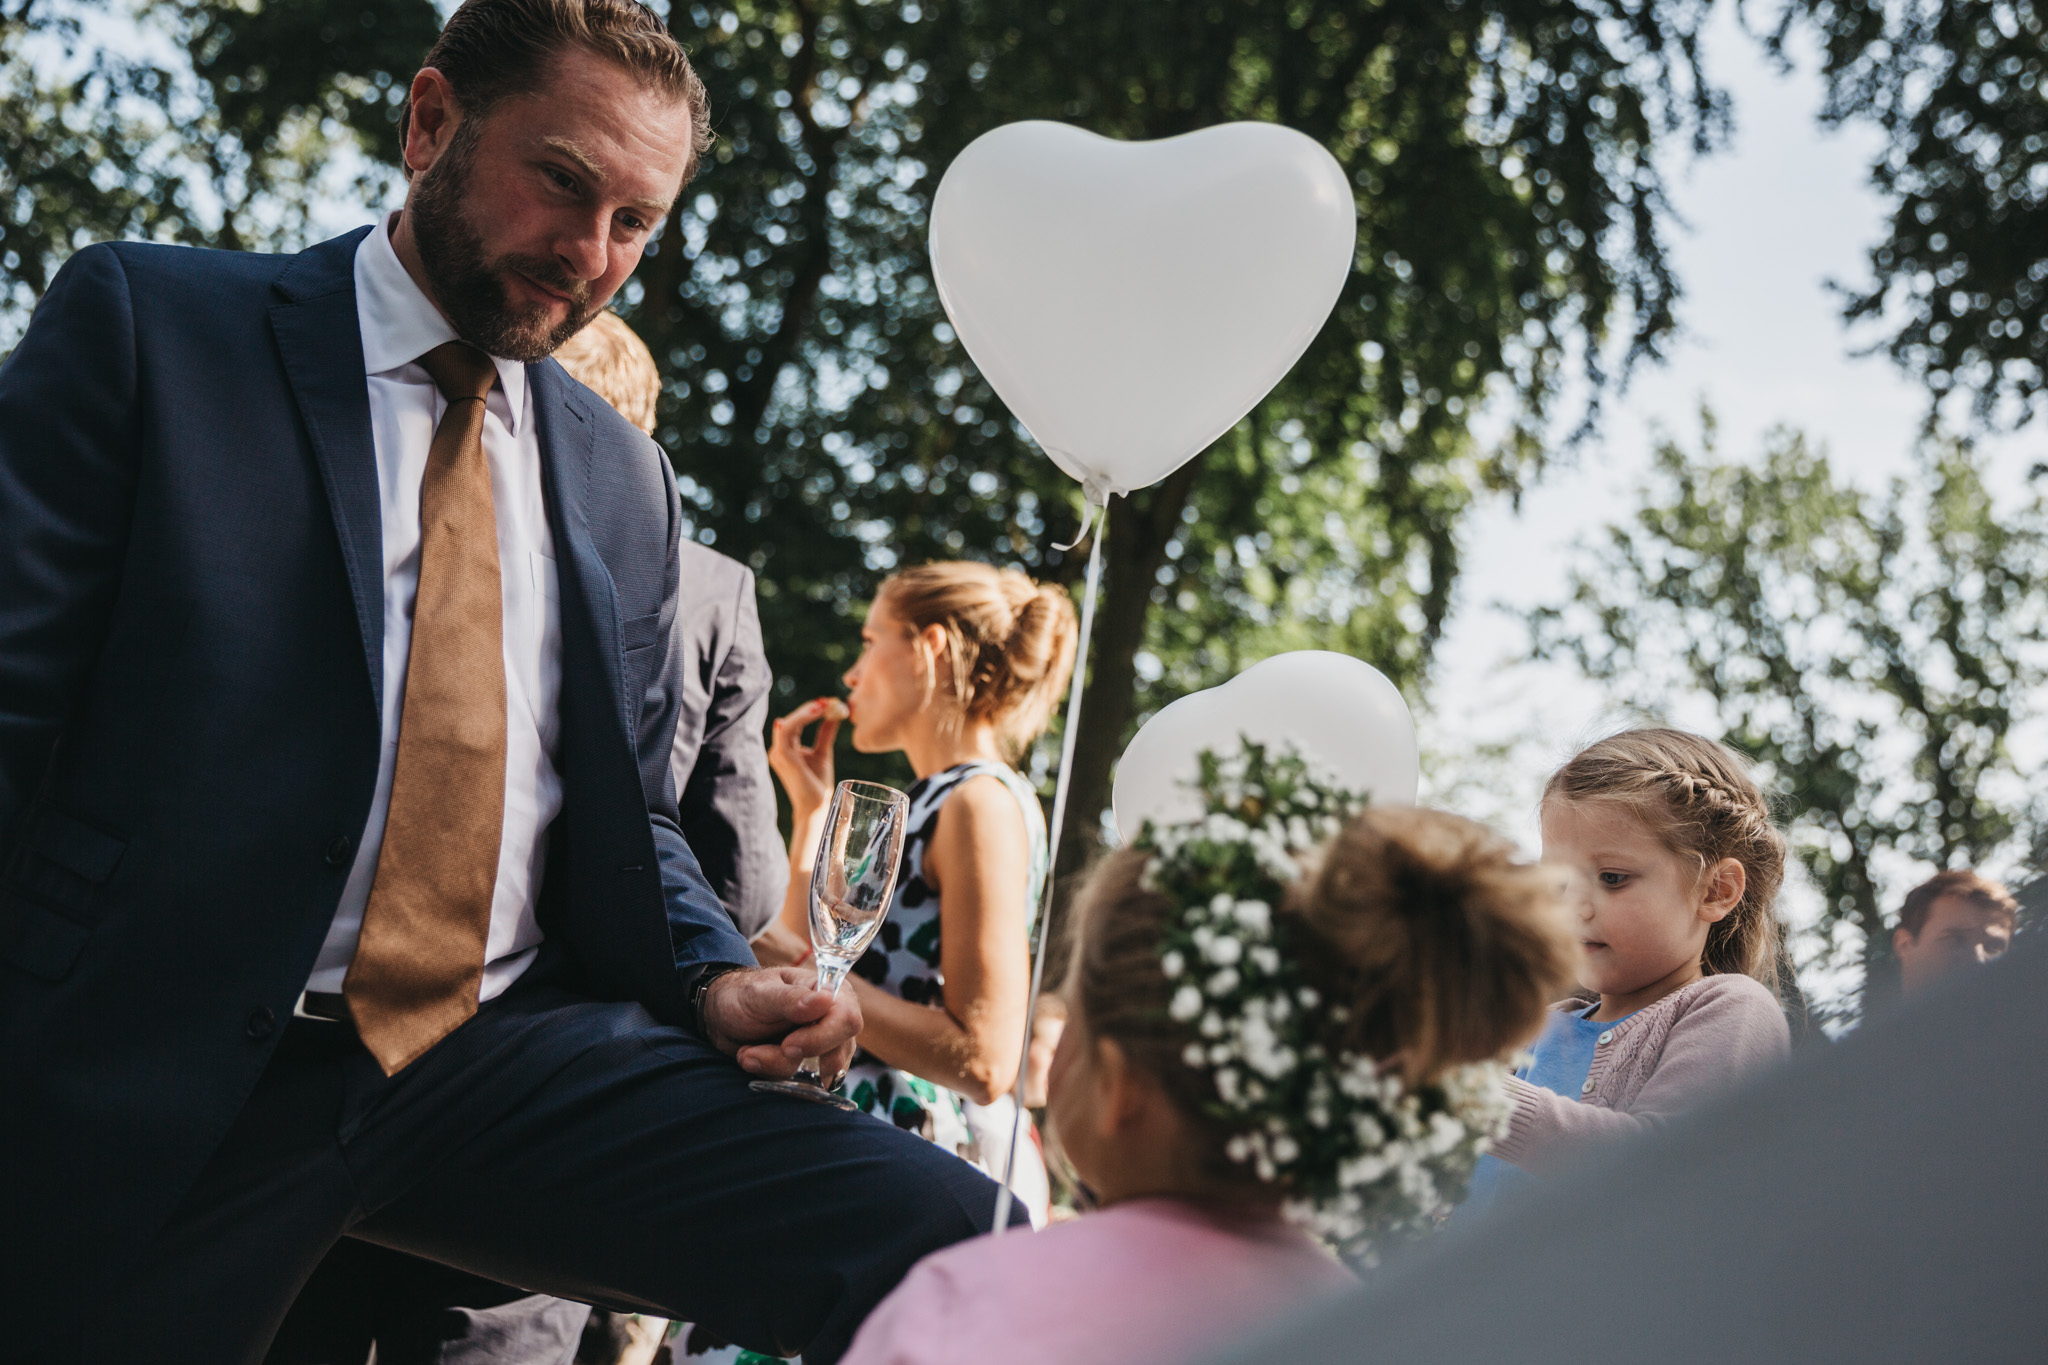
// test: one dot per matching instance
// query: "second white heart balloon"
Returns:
(1341, 714)
(1130, 301)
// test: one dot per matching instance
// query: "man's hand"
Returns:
(771, 1018)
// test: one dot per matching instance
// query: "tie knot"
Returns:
(460, 370)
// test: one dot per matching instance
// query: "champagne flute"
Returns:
(851, 886)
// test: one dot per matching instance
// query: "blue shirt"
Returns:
(1560, 1062)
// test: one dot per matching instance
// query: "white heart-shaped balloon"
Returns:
(1341, 714)
(1131, 301)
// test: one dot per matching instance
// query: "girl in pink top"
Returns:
(1267, 1039)
(1681, 865)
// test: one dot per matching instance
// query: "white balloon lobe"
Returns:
(1342, 715)
(1131, 301)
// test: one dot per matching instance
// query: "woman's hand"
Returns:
(1046, 1027)
(805, 771)
(778, 946)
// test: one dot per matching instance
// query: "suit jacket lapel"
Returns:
(565, 435)
(321, 341)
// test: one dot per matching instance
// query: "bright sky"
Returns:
(1772, 219)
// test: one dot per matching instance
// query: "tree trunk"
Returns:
(1799, 1015)
(1138, 530)
(1880, 969)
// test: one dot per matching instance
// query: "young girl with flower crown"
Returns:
(1680, 866)
(1282, 1022)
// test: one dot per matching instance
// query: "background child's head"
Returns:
(610, 360)
(1681, 859)
(960, 641)
(1438, 947)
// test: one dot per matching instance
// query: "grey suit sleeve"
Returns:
(701, 932)
(727, 799)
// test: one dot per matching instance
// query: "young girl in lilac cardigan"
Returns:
(1681, 866)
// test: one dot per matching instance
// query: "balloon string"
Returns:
(1059, 821)
(1091, 513)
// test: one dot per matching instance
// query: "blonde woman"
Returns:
(960, 667)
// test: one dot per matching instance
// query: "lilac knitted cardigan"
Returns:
(1666, 1058)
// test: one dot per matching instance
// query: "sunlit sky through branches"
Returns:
(1768, 222)
(1764, 224)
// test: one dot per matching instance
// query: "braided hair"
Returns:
(1697, 797)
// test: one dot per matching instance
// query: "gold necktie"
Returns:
(420, 957)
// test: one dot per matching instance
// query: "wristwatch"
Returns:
(705, 977)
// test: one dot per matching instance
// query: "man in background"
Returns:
(720, 759)
(420, 1313)
(1952, 921)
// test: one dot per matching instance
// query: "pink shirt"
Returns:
(1150, 1280)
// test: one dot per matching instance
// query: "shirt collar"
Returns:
(400, 323)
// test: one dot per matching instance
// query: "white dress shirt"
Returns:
(399, 324)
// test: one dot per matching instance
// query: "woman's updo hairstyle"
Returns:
(1440, 946)
(1696, 797)
(1010, 640)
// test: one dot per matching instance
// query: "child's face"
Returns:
(1113, 1123)
(1072, 1101)
(1646, 911)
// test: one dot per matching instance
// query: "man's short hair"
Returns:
(608, 358)
(1960, 882)
(492, 49)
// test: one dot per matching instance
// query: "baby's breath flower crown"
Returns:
(1362, 1157)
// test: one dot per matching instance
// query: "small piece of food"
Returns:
(833, 708)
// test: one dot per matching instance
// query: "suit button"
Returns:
(338, 849)
(262, 1023)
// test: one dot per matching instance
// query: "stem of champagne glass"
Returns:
(831, 971)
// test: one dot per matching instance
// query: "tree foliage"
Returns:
(1959, 281)
(204, 122)
(827, 425)
(80, 159)
(1874, 653)
(281, 62)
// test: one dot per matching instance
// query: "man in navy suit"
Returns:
(344, 892)
(413, 1310)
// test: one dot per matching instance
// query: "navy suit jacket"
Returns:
(191, 655)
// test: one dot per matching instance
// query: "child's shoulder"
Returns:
(1740, 1012)
(1136, 1239)
(1731, 991)
(1120, 1275)
(1064, 1250)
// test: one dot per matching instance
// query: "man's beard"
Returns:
(469, 287)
